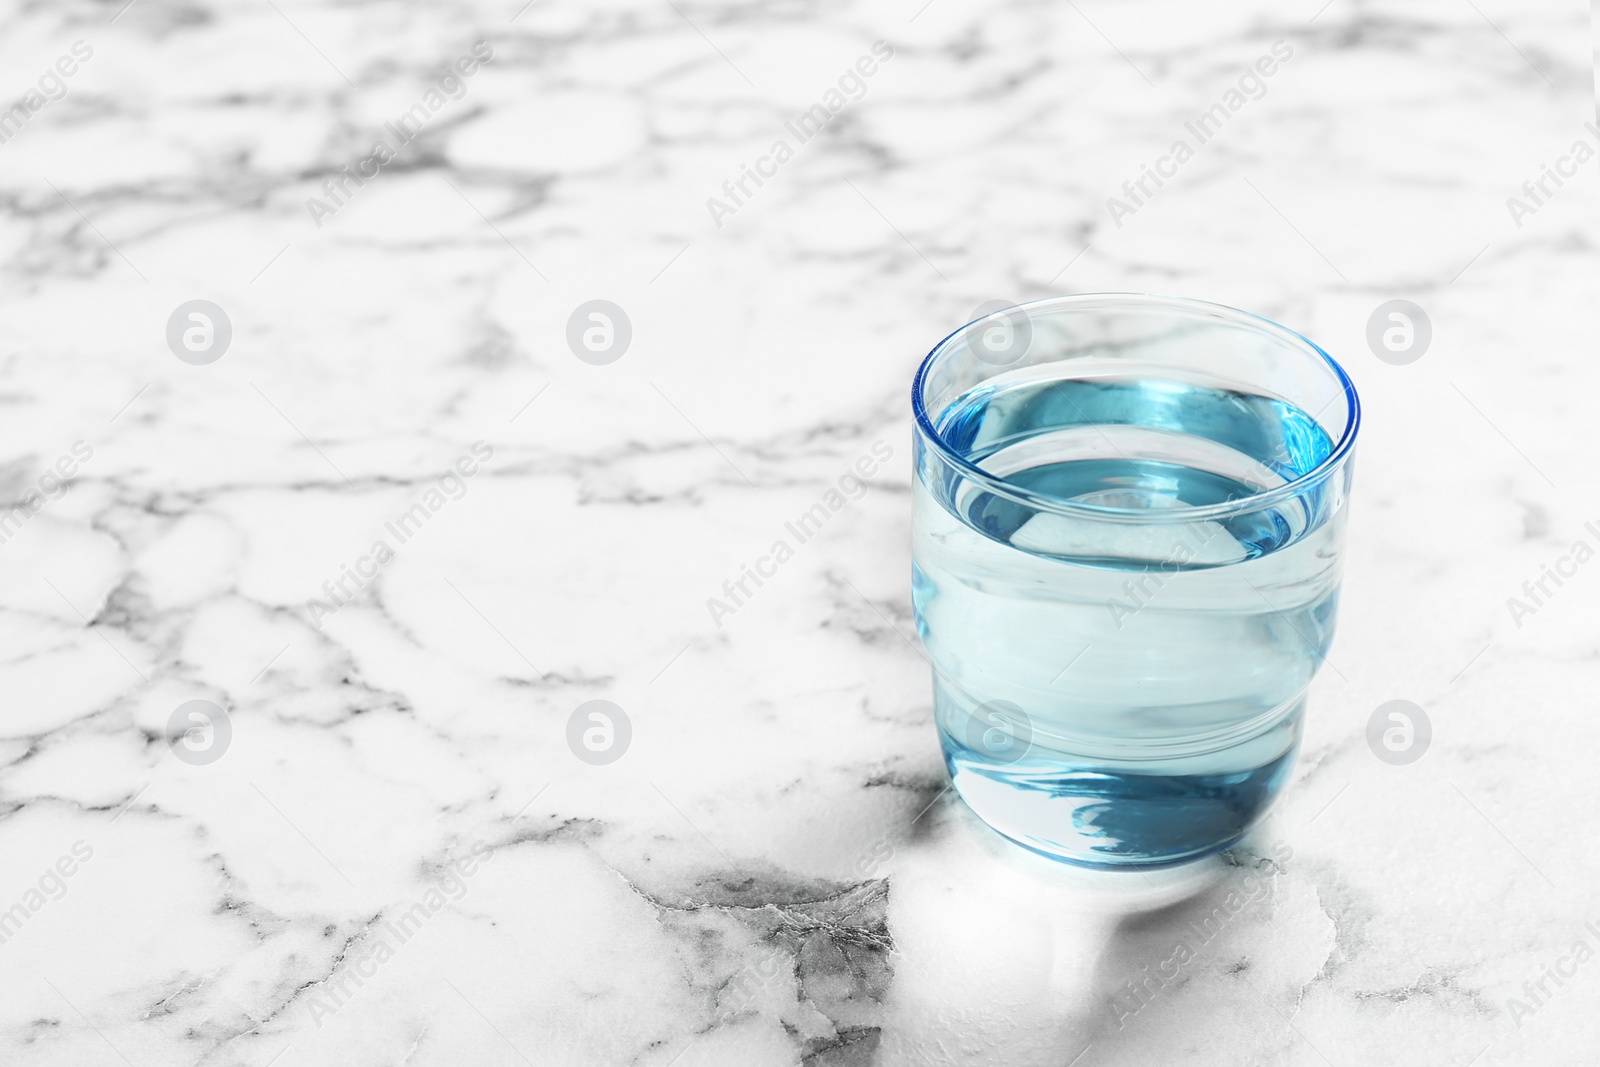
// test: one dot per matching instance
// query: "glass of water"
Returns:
(1129, 520)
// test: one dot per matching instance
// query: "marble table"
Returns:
(308, 588)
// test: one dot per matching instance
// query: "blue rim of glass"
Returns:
(1154, 303)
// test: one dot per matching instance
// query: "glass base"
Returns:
(1108, 819)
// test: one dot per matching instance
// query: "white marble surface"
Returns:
(772, 872)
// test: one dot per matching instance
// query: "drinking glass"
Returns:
(1129, 519)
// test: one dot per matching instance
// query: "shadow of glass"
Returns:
(1012, 957)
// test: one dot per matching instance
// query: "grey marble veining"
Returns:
(400, 857)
